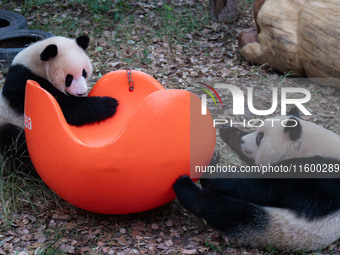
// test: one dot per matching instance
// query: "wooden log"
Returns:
(296, 36)
(320, 35)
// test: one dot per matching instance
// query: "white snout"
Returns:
(248, 145)
(78, 87)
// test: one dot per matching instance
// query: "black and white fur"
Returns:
(296, 214)
(60, 65)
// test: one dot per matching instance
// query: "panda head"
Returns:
(288, 137)
(61, 61)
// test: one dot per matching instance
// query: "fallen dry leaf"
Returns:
(192, 251)
(122, 241)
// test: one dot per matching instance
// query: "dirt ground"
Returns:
(181, 46)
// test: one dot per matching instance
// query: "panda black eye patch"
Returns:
(84, 73)
(68, 80)
(259, 138)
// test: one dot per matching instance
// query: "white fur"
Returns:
(8, 115)
(287, 231)
(71, 59)
(78, 87)
(276, 144)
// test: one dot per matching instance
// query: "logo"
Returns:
(288, 96)
(204, 98)
(239, 100)
(211, 95)
(28, 123)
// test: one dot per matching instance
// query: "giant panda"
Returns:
(60, 65)
(295, 214)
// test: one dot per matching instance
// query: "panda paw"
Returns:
(187, 193)
(183, 185)
(232, 136)
(79, 111)
(109, 107)
(215, 159)
(101, 109)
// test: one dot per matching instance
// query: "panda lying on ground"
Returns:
(61, 66)
(296, 214)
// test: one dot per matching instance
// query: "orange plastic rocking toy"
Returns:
(127, 163)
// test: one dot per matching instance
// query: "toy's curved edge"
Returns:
(110, 75)
(34, 92)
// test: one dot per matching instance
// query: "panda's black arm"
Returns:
(224, 213)
(79, 111)
(311, 198)
(264, 192)
(15, 84)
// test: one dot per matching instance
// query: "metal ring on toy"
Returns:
(127, 163)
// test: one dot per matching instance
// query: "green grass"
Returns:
(212, 246)
(19, 192)
(245, 5)
(177, 23)
(174, 22)
(117, 26)
(18, 189)
(48, 250)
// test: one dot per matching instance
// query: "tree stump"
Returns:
(297, 36)
(224, 10)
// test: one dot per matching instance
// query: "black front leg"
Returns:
(232, 136)
(79, 111)
(257, 191)
(222, 212)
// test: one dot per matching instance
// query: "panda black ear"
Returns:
(294, 112)
(83, 41)
(293, 127)
(49, 52)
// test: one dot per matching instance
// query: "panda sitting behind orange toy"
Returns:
(60, 65)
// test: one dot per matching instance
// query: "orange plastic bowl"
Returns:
(127, 163)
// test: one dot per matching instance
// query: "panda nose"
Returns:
(82, 94)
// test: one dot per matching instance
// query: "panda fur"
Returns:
(60, 65)
(296, 214)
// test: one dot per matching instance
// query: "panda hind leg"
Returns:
(13, 149)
